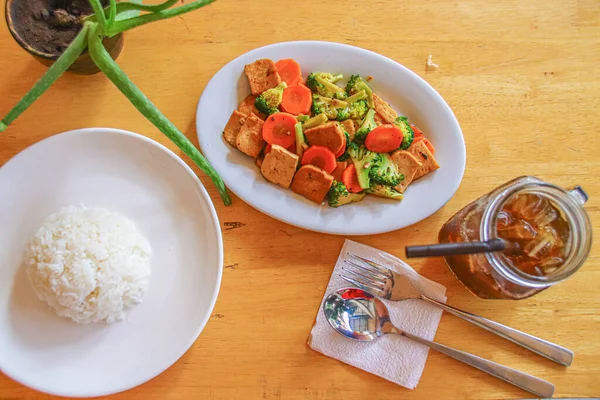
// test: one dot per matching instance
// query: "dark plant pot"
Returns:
(83, 65)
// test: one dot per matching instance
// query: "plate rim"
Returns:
(220, 256)
(361, 231)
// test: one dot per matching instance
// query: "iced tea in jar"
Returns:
(548, 235)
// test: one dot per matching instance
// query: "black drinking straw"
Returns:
(454, 249)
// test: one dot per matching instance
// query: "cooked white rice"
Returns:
(89, 264)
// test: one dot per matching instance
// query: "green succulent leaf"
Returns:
(111, 69)
(130, 23)
(100, 15)
(66, 59)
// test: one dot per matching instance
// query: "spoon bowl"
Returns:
(358, 315)
(355, 314)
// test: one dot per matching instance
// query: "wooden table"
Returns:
(524, 81)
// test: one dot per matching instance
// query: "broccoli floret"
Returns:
(385, 172)
(269, 100)
(329, 107)
(323, 83)
(352, 82)
(337, 190)
(357, 84)
(345, 154)
(407, 132)
(363, 160)
(367, 125)
(343, 114)
(318, 119)
(332, 78)
(358, 109)
(385, 191)
(357, 96)
(300, 139)
(339, 195)
(313, 84)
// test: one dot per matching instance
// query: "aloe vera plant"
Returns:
(105, 22)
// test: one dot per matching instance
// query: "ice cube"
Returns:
(536, 205)
(528, 206)
(517, 203)
(550, 264)
(518, 229)
(503, 219)
(538, 247)
(546, 217)
(542, 244)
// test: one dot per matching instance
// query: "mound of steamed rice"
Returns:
(89, 264)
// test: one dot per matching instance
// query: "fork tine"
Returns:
(365, 273)
(362, 285)
(378, 267)
(367, 278)
(369, 269)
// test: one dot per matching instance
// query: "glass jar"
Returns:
(495, 275)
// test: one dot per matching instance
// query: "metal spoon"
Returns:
(359, 315)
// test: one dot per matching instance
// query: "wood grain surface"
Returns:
(523, 79)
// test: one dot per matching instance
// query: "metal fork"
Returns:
(388, 284)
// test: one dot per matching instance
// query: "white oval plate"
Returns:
(402, 88)
(146, 182)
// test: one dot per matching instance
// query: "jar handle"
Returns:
(579, 195)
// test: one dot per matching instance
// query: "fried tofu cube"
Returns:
(339, 169)
(408, 165)
(247, 106)
(249, 140)
(262, 75)
(425, 157)
(384, 110)
(312, 183)
(348, 126)
(378, 119)
(233, 127)
(329, 135)
(259, 160)
(279, 166)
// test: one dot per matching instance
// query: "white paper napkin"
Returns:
(392, 357)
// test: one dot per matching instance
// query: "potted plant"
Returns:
(109, 22)
(45, 28)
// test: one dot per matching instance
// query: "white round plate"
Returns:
(402, 88)
(146, 182)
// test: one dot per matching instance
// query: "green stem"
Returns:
(100, 16)
(112, 70)
(128, 6)
(112, 12)
(63, 62)
(121, 26)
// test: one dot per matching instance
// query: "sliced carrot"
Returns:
(279, 129)
(384, 138)
(289, 71)
(427, 143)
(320, 156)
(342, 149)
(417, 131)
(296, 100)
(350, 179)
